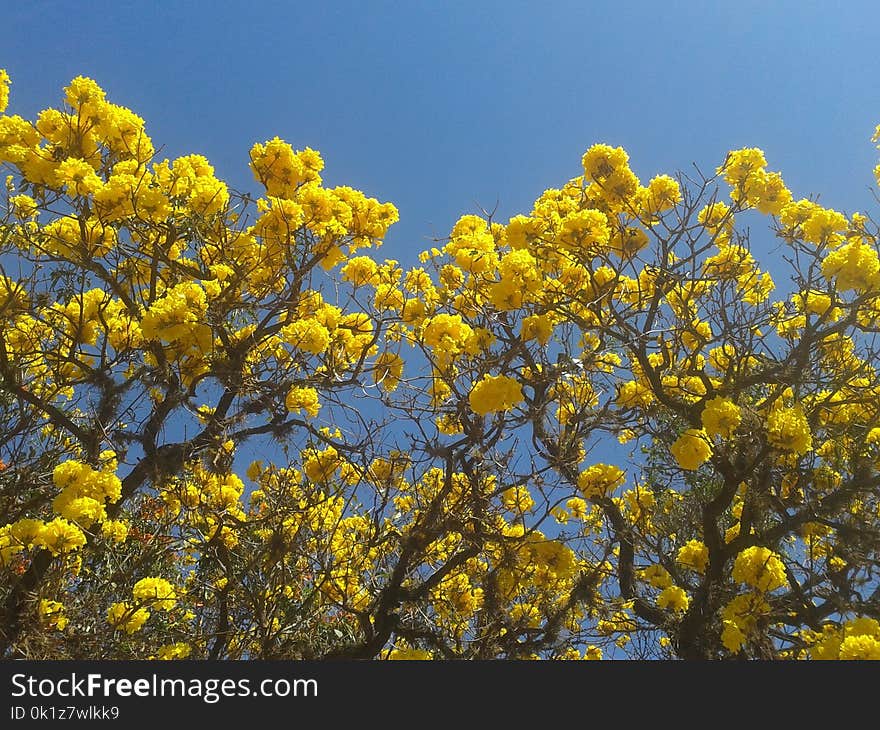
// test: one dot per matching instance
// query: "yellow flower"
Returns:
(52, 614)
(741, 164)
(858, 638)
(720, 417)
(740, 618)
(787, 429)
(662, 193)
(691, 449)
(178, 316)
(303, 399)
(715, 217)
(824, 226)
(657, 576)
(694, 555)
(155, 593)
(732, 636)
(634, 394)
(208, 196)
(577, 508)
(517, 499)
(308, 335)
(179, 650)
(276, 165)
(523, 231)
(84, 491)
(495, 393)
(537, 327)
(409, 654)
(127, 618)
(447, 334)
(760, 568)
(360, 270)
(320, 466)
(388, 370)
(78, 177)
(860, 647)
(601, 160)
(600, 480)
(60, 536)
(673, 598)
(853, 267)
(767, 192)
(114, 530)
(584, 228)
(83, 92)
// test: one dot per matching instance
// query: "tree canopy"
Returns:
(599, 429)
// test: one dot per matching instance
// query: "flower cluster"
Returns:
(495, 393)
(788, 429)
(760, 568)
(600, 480)
(720, 417)
(691, 449)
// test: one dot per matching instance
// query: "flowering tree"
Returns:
(597, 429)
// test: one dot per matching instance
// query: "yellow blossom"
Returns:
(720, 417)
(694, 555)
(691, 449)
(760, 568)
(495, 393)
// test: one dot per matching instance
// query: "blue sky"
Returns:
(444, 108)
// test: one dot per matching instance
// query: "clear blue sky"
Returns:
(444, 107)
